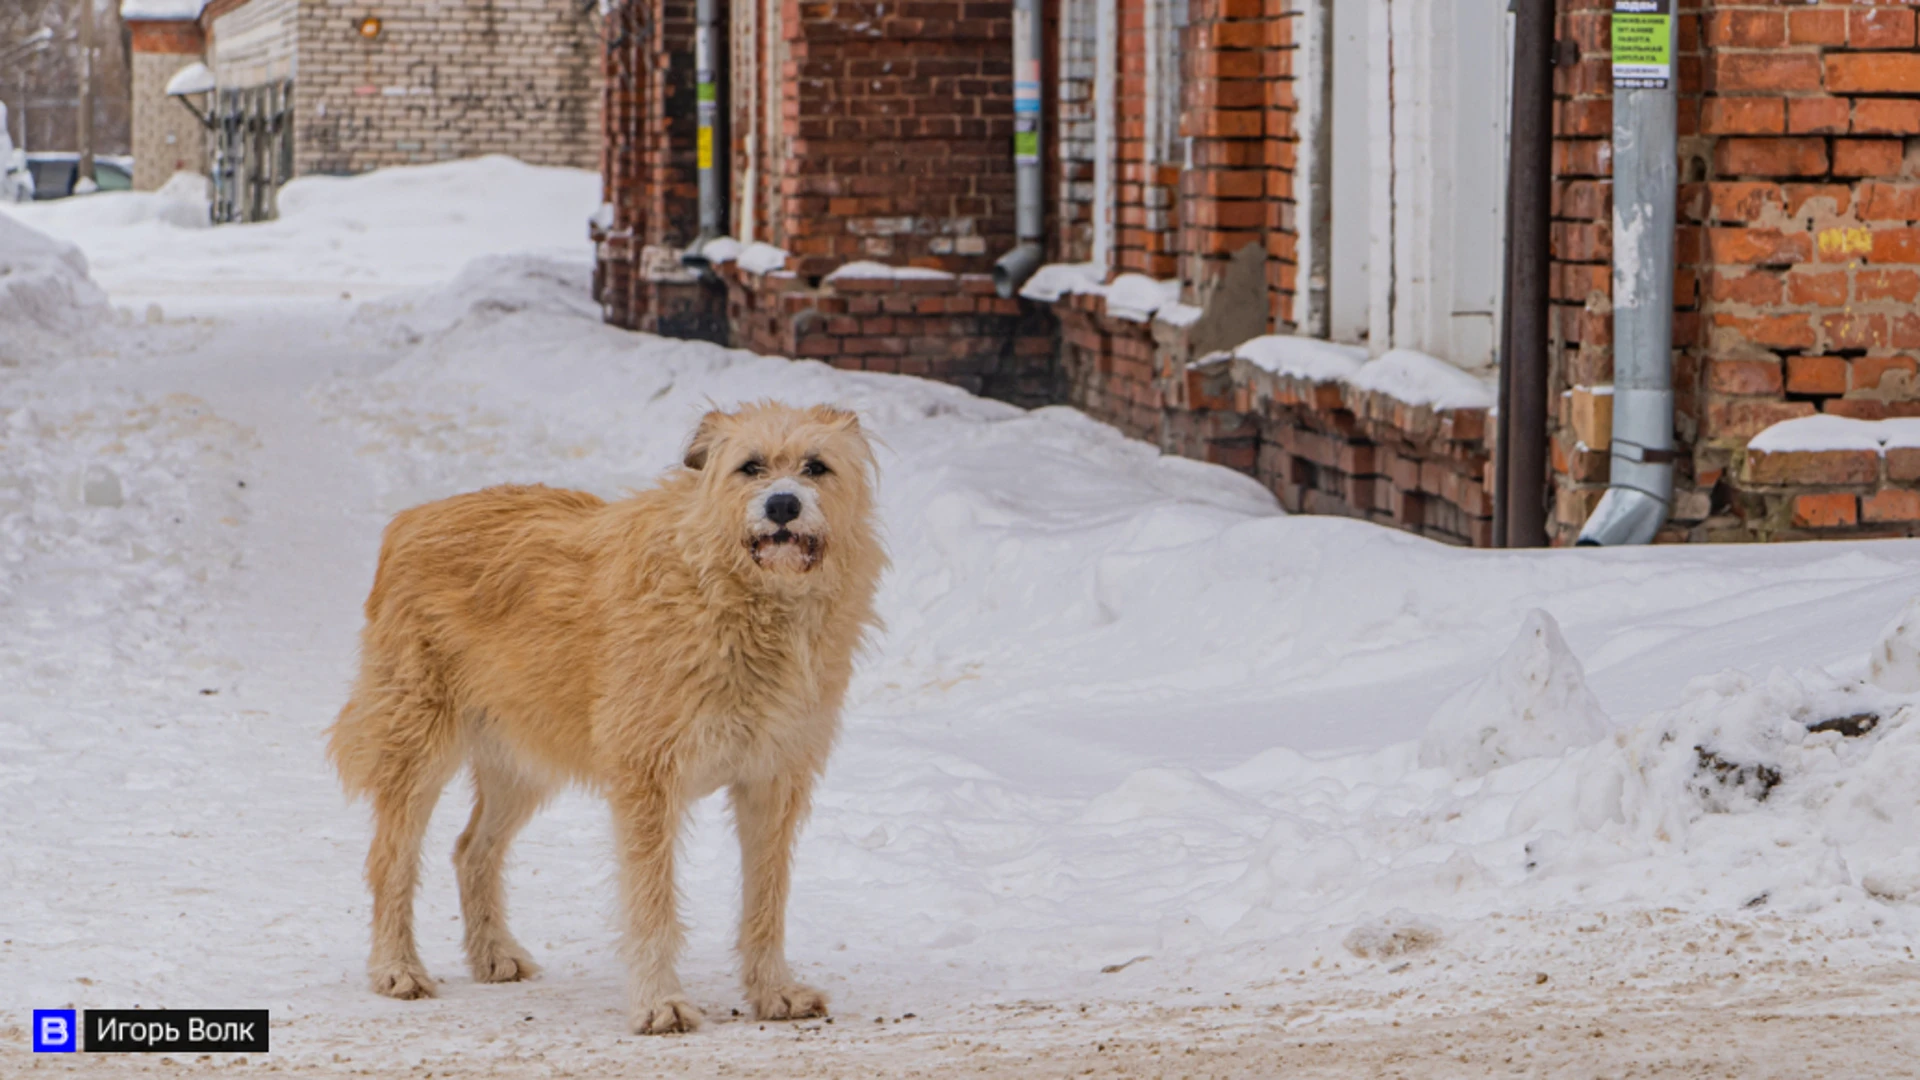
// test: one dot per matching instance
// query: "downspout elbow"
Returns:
(1014, 268)
(1640, 478)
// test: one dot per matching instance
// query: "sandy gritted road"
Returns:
(1737, 1000)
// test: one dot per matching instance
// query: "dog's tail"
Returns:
(397, 716)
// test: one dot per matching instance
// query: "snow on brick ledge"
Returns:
(873, 271)
(759, 258)
(1133, 297)
(1833, 451)
(1420, 395)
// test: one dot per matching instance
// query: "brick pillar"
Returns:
(1239, 115)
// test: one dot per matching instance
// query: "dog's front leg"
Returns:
(647, 817)
(768, 815)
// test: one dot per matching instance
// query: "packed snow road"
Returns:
(1143, 778)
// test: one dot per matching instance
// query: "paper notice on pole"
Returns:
(1643, 44)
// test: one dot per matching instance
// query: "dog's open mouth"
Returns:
(787, 548)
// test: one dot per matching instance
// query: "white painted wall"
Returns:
(1418, 192)
(1349, 290)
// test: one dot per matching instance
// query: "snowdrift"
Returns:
(337, 239)
(46, 298)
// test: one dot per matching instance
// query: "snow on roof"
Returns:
(161, 9)
(1812, 434)
(195, 78)
(863, 269)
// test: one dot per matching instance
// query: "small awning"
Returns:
(195, 78)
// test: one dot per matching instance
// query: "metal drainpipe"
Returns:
(707, 112)
(1016, 266)
(1645, 181)
(1521, 473)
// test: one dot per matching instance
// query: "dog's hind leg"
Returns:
(768, 815)
(503, 800)
(646, 813)
(417, 759)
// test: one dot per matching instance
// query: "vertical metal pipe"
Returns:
(86, 93)
(1013, 268)
(707, 111)
(707, 145)
(1646, 175)
(1523, 417)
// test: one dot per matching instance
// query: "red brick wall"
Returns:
(648, 176)
(1239, 111)
(954, 329)
(899, 127)
(174, 36)
(1798, 253)
(1323, 448)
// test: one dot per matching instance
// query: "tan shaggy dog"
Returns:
(694, 636)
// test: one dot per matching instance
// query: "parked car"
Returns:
(55, 173)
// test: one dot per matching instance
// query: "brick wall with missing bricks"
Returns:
(443, 81)
(1237, 188)
(1799, 264)
(1322, 447)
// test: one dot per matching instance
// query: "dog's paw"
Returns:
(500, 962)
(794, 1001)
(665, 1017)
(406, 981)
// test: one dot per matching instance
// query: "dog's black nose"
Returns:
(783, 507)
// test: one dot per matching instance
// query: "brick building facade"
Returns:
(166, 137)
(1799, 266)
(374, 83)
(1278, 229)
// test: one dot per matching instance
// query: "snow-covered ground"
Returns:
(1143, 778)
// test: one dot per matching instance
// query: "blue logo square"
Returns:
(54, 1031)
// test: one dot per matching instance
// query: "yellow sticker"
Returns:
(706, 148)
(1839, 243)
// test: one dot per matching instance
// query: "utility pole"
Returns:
(86, 92)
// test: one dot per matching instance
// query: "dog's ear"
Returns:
(844, 419)
(703, 439)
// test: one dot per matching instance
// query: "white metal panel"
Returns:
(1382, 164)
(1106, 75)
(1476, 223)
(1350, 291)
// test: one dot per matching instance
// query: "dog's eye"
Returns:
(816, 467)
(753, 468)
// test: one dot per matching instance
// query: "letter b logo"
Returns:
(54, 1031)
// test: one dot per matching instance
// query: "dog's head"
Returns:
(791, 487)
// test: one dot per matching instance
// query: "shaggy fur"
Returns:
(655, 649)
